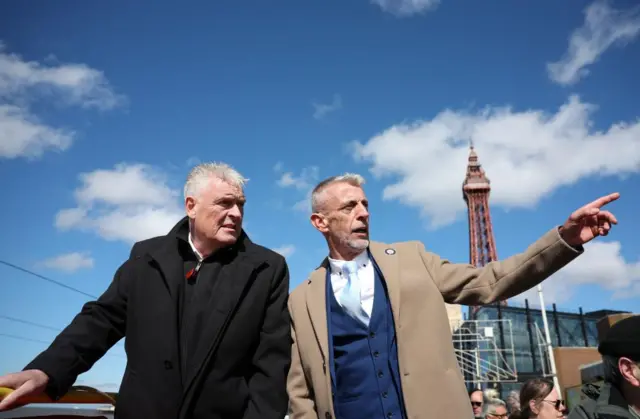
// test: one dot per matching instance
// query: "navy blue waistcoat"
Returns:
(364, 360)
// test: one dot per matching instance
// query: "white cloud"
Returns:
(404, 8)
(601, 264)
(602, 28)
(286, 251)
(323, 109)
(77, 84)
(130, 202)
(304, 182)
(527, 155)
(69, 262)
(22, 133)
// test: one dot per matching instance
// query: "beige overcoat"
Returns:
(419, 284)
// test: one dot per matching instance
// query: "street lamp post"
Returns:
(547, 336)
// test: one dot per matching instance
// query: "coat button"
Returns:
(168, 365)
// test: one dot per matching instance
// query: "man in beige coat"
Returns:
(371, 337)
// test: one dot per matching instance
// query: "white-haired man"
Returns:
(204, 312)
(371, 337)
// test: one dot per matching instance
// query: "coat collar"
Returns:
(167, 254)
(386, 259)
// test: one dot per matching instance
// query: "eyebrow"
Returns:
(354, 202)
(240, 198)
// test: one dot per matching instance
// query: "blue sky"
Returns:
(104, 107)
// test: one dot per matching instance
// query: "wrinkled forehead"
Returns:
(476, 396)
(340, 193)
(220, 188)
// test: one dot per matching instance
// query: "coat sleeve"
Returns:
(272, 358)
(499, 280)
(301, 401)
(99, 325)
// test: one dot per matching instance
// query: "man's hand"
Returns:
(589, 222)
(26, 383)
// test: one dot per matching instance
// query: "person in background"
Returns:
(513, 401)
(371, 336)
(476, 397)
(539, 400)
(494, 407)
(204, 313)
(619, 396)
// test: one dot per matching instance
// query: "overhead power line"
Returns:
(7, 335)
(53, 281)
(30, 323)
(25, 339)
(42, 326)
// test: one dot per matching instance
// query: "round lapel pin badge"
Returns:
(390, 251)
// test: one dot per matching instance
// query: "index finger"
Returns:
(10, 381)
(604, 200)
(12, 399)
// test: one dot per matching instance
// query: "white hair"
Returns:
(201, 174)
(316, 196)
(492, 401)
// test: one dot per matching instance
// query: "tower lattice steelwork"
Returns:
(475, 189)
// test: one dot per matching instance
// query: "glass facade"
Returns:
(520, 342)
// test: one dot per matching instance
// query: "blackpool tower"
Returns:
(475, 190)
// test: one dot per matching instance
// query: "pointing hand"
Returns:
(589, 222)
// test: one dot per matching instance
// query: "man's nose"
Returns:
(363, 212)
(235, 212)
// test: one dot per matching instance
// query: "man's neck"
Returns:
(203, 248)
(347, 255)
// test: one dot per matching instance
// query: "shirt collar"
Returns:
(193, 247)
(362, 260)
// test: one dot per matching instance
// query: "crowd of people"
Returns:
(211, 330)
(617, 397)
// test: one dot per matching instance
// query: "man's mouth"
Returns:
(360, 230)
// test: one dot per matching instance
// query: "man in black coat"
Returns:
(204, 313)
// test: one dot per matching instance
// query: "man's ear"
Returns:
(319, 221)
(190, 206)
(630, 371)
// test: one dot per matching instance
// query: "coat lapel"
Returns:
(233, 280)
(317, 307)
(387, 260)
(168, 259)
(167, 262)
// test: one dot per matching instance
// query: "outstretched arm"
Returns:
(466, 284)
(500, 280)
(272, 358)
(98, 326)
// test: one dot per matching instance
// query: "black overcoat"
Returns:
(244, 354)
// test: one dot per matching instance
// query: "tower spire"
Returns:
(475, 191)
